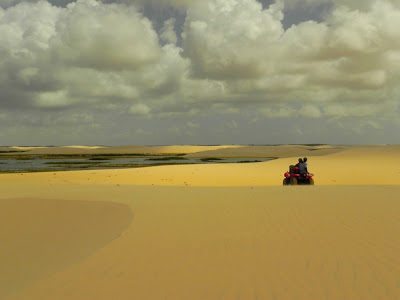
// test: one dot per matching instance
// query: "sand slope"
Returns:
(41, 237)
(239, 243)
(278, 151)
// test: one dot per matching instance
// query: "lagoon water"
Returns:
(9, 165)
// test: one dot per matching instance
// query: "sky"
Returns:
(147, 72)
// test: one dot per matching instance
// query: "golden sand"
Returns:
(227, 243)
(84, 147)
(24, 148)
(41, 237)
(213, 241)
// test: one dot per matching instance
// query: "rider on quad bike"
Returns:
(298, 174)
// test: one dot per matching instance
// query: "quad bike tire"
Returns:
(286, 181)
(311, 181)
(293, 181)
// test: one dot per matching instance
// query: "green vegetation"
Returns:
(97, 156)
(82, 167)
(165, 158)
(11, 151)
(23, 157)
(100, 158)
(61, 162)
(210, 159)
(28, 171)
(66, 163)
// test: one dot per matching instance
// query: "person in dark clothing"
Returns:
(300, 162)
(299, 166)
(302, 167)
(305, 164)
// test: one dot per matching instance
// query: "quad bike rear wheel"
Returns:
(286, 181)
(311, 181)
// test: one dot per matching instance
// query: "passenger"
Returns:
(298, 166)
(302, 167)
(305, 164)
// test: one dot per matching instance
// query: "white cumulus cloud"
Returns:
(229, 56)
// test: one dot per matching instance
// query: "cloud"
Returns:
(347, 59)
(229, 56)
(85, 53)
(96, 36)
(228, 39)
(278, 111)
(310, 111)
(192, 125)
(52, 99)
(168, 33)
(139, 109)
(352, 4)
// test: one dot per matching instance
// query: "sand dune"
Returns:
(237, 243)
(23, 148)
(40, 237)
(84, 147)
(278, 151)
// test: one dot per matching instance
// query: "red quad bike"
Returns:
(293, 177)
